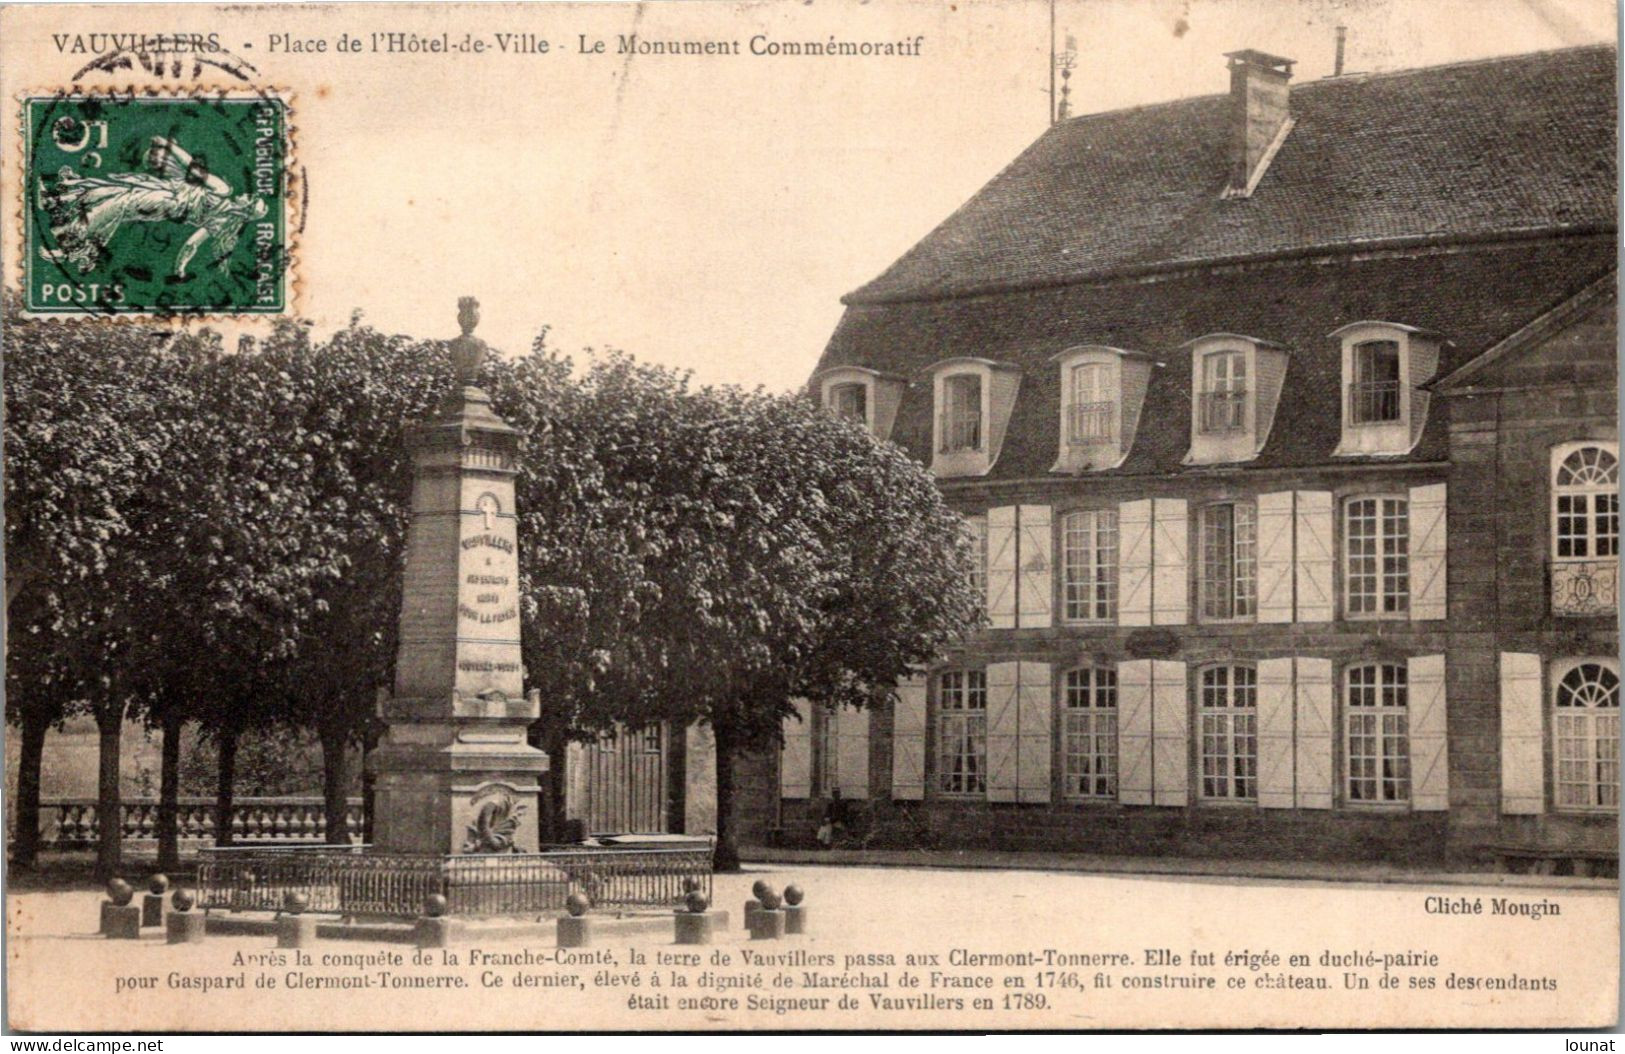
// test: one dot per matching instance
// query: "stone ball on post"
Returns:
(760, 887)
(295, 903)
(577, 904)
(158, 884)
(696, 902)
(182, 900)
(120, 891)
(435, 905)
(770, 900)
(793, 895)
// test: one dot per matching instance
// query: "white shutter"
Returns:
(1134, 563)
(1134, 732)
(1002, 717)
(1315, 555)
(795, 764)
(1170, 733)
(852, 752)
(1033, 704)
(1427, 525)
(1275, 734)
(1275, 557)
(908, 741)
(1430, 766)
(1170, 574)
(1034, 594)
(1313, 769)
(1523, 768)
(1001, 567)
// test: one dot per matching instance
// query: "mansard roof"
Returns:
(1472, 297)
(1450, 154)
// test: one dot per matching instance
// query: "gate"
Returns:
(618, 782)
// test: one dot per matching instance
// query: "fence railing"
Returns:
(70, 823)
(1089, 424)
(1373, 402)
(1224, 411)
(357, 883)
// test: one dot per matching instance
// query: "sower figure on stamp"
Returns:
(87, 211)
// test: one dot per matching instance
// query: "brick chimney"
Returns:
(1260, 115)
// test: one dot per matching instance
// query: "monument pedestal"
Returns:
(454, 774)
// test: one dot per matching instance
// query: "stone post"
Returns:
(454, 773)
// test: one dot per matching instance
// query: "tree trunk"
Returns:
(169, 792)
(109, 804)
(25, 842)
(336, 782)
(369, 779)
(726, 856)
(224, 787)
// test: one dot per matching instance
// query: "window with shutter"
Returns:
(1134, 561)
(1275, 733)
(962, 763)
(1229, 568)
(1170, 573)
(1170, 733)
(1002, 712)
(1523, 782)
(1377, 574)
(1376, 726)
(852, 748)
(1089, 565)
(1034, 596)
(1585, 737)
(1089, 704)
(1427, 555)
(1313, 555)
(1430, 767)
(1034, 741)
(1001, 567)
(908, 740)
(1134, 732)
(1275, 557)
(1227, 707)
(795, 763)
(1312, 732)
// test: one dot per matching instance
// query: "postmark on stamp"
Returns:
(155, 204)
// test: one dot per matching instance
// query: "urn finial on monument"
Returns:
(455, 773)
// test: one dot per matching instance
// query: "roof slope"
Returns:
(1472, 297)
(1466, 151)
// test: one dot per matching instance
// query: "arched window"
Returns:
(1376, 733)
(1585, 736)
(962, 732)
(1093, 404)
(1228, 713)
(1090, 706)
(1585, 502)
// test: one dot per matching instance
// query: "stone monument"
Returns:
(454, 774)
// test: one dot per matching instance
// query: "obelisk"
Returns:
(454, 773)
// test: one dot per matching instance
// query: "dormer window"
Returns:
(1102, 389)
(972, 400)
(1224, 391)
(1090, 417)
(1235, 389)
(850, 402)
(961, 425)
(1384, 409)
(1374, 391)
(867, 397)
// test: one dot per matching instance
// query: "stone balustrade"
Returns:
(67, 823)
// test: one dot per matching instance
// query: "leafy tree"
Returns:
(88, 431)
(709, 555)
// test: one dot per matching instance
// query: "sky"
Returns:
(708, 214)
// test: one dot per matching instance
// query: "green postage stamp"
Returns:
(156, 204)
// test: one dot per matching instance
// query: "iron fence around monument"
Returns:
(358, 883)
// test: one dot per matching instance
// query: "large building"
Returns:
(1286, 421)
